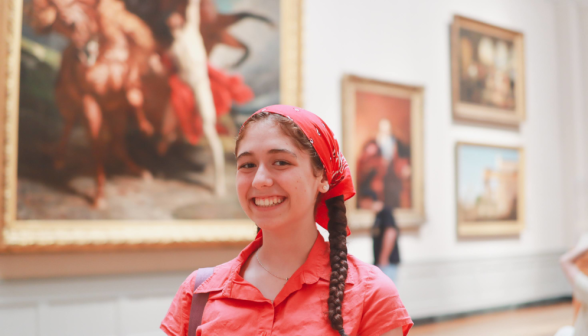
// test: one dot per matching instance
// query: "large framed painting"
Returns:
(488, 73)
(119, 117)
(383, 144)
(490, 190)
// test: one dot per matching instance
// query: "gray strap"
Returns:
(198, 300)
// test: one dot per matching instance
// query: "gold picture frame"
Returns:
(97, 235)
(489, 212)
(486, 63)
(407, 217)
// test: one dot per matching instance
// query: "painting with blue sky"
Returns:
(487, 183)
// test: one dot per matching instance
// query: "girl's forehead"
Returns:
(265, 135)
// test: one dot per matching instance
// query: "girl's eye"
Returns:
(247, 165)
(282, 163)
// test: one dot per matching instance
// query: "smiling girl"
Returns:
(289, 281)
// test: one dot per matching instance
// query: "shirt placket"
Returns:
(266, 319)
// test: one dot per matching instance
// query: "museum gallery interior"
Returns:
(463, 121)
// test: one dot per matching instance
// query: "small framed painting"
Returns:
(488, 73)
(383, 144)
(490, 190)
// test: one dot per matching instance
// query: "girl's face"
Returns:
(276, 183)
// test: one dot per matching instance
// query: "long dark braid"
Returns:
(338, 257)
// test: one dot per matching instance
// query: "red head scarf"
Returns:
(322, 139)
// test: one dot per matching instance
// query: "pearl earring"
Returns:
(325, 188)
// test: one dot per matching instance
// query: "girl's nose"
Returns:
(262, 178)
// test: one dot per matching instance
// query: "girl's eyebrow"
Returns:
(244, 154)
(277, 151)
(271, 151)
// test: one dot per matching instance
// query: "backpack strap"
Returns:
(198, 300)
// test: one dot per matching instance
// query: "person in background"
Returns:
(385, 241)
(579, 282)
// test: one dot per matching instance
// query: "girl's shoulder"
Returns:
(177, 318)
(370, 276)
(383, 309)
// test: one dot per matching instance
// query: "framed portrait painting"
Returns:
(488, 73)
(490, 190)
(119, 117)
(383, 144)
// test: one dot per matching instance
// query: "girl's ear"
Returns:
(324, 185)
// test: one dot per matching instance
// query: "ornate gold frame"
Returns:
(38, 235)
(478, 113)
(492, 228)
(406, 218)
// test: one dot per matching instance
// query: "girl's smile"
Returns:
(268, 202)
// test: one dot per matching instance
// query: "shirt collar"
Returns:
(228, 281)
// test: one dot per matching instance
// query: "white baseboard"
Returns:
(430, 289)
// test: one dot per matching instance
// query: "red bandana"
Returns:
(327, 147)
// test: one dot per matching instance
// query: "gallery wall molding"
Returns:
(18, 236)
(460, 286)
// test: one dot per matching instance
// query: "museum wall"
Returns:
(127, 293)
(408, 43)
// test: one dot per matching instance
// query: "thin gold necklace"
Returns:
(260, 264)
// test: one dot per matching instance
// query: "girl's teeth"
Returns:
(268, 201)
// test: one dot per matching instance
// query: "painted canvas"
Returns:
(488, 72)
(382, 141)
(157, 154)
(489, 181)
(382, 150)
(121, 115)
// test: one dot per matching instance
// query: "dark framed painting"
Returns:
(383, 144)
(488, 73)
(119, 117)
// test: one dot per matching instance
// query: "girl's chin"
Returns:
(269, 224)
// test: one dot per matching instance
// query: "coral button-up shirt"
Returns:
(371, 304)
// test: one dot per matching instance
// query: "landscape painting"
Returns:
(489, 188)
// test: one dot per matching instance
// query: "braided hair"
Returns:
(338, 257)
(337, 225)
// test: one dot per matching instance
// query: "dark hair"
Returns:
(337, 219)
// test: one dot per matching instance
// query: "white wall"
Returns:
(404, 42)
(408, 42)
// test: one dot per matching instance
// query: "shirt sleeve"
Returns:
(581, 288)
(177, 318)
(383, 310)
(388, 220)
